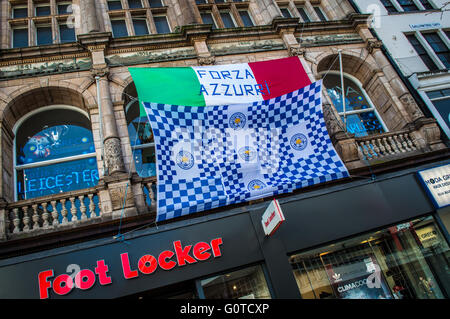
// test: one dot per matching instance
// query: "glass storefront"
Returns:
(247, 283)
(406, 261)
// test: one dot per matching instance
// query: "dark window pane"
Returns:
(161, 24)
(285, 12)
(245, 16)
(155, 3)
(20, 38)
(304, 15)
(134, 4)
(44, 35)
(66, 34)
(114, 5)
(140, 26)
(19, 13)
(426, 4)
(63, 9)
(439, 47)
(422, 52)
(42, 11)
(208, 19)
(408, 5)
(389, 6)
(320, 14)
(227, 20)
(201, 1)
(119, 28)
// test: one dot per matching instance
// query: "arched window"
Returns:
(360, 114)
(141, 139)
(54, 152)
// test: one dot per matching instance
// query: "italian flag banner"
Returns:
(219, 84)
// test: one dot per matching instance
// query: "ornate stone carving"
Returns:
(118, 193)
(411, 106)
(373, 44)
(113, 155)
(296, 51)
(206, 60)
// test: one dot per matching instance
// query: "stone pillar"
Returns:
(89, 16)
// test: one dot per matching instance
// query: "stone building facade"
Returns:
(92, 71)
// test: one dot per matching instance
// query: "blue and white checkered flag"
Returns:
(214, 156)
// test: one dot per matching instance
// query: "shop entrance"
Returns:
(406, 261)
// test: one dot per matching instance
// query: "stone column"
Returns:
(89, 16)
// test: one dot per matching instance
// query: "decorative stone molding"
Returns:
(296, 51)
(411, 106)
(373, 44)
(121, 195)
(206, 60)
(113, 155)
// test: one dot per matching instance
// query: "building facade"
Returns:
(78, 171)
(416, 35)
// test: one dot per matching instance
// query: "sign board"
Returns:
(436, 181)
(422, 26)
(272, 218)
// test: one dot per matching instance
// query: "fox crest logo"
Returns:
(237, 121)
(256, 185)
(185, 160)
(299, 142)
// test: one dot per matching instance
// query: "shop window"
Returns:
(360, 115)
(20, 37)
(54, 153)
(141, 139)
(140, 26)
(119, 28)
(66, 33)
(247, 283)
(207, 18)
(44, 35)
(246, 19)
(405, 261)
(162, 26)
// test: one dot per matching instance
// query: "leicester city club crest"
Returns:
(299, 142)
(247, 153)
(237, 120)
(256, 185)
(185, 160)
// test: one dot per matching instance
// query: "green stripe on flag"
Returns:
(178, 86)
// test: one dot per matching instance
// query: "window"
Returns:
(389, 6)
(66, 34)
(439, 47)
(303, 14)
(19, 12)
(285, 13)
(441, 103)
(20, 37)
(114, 5)
(247, 283)
(360, 115)
(119, 28)
(44, 35)
(63, 8)
(405, 261)
(246, 19)
(162, 26)
(140, 26)
(201, 1)
(54, 153)
(408, 5)
(427, 4)
(320, 14)
(207, 18)
(422, 52)
(227, 20)
(156, 3)
(141, 139)
(134, 4)
(43, 10)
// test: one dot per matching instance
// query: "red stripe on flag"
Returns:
(280, 76)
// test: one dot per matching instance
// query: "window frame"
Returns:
(112, 19)
(17, 126)
(372, 107)
(41, 5)
(140, 18)
(46, 25)
(23, 6)
(22, 27)
(167, 20)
